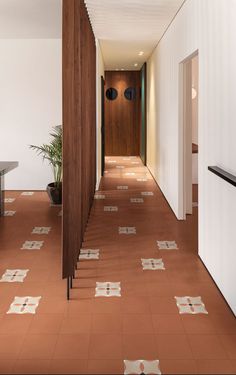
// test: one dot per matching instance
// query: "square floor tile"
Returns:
(111, 161)
(89, 254)
(110, 208)
(106, 323)
(38, 346)
(147, 193)
(122, 187)
(139, 346)
(206, 347)
(10, 346)
(136, 200)
(108, 289)
(141, 366)
(9, 213)
(105, 346)
(14, 276)
(27, 193)
(190, 305)
(72, 346)
(105, 366)
(135, 305)
(32, 366)
(130, 174)
(41, 230)
(71, 325)
(127, 230)
(198, 324)
(173, 347)
(179, 366)
(137, 323)
(152, 264)
(32, 245)
(167, 324)
(214, 366)
(24, 305)
(141, 179)
(229, 344)
(68, 366)
(46, 324)
(167, 245)
(9, 200)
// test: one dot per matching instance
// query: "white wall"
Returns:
(100, 72)
(30, 104)
(210, 27)
(195, 118)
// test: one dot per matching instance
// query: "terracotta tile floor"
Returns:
(94, 335)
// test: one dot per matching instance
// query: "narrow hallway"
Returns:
(137, 317)
(133, 316)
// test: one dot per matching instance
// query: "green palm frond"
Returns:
(52, 152)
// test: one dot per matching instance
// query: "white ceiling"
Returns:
(125, 27)
(23, 19)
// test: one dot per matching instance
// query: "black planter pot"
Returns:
(55, 193)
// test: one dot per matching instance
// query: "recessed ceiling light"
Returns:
(141, 53)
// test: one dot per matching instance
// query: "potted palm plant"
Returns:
(53, 153)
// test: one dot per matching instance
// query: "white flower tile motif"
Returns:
(99, 196)
(108, 289)
(126, 159)
(27, 193)
(134, 162)
(147, 193)
(14, 276)
(111, 208)
(130, 174)
(127, 230)
(9, 213)
(120, 167)
(190, 305)
(106, 172)
(9, 200)
(60, 213)
(136, 200)
(195, 204)
(167, 245)
(141, 179)
(89, 254)
(142, 367)
(41, 230)
(111, 161)
(24, 305)
(152, 264)
(122, 187)
(32, 245)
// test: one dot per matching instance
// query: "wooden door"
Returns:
(122, 116)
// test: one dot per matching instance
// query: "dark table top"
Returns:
(7, 166)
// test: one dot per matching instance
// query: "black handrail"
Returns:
(230, 178)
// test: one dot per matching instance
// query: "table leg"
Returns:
(1, 195)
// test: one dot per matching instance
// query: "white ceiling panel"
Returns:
(125, 27)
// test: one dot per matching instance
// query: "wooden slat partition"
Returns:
(79, 128)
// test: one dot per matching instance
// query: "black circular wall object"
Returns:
(130, 93)
(111, 93)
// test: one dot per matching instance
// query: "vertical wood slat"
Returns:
(79, 128)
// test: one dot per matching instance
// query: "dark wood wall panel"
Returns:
(122, 116)
(79, 128)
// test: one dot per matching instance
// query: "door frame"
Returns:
(185, 136)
